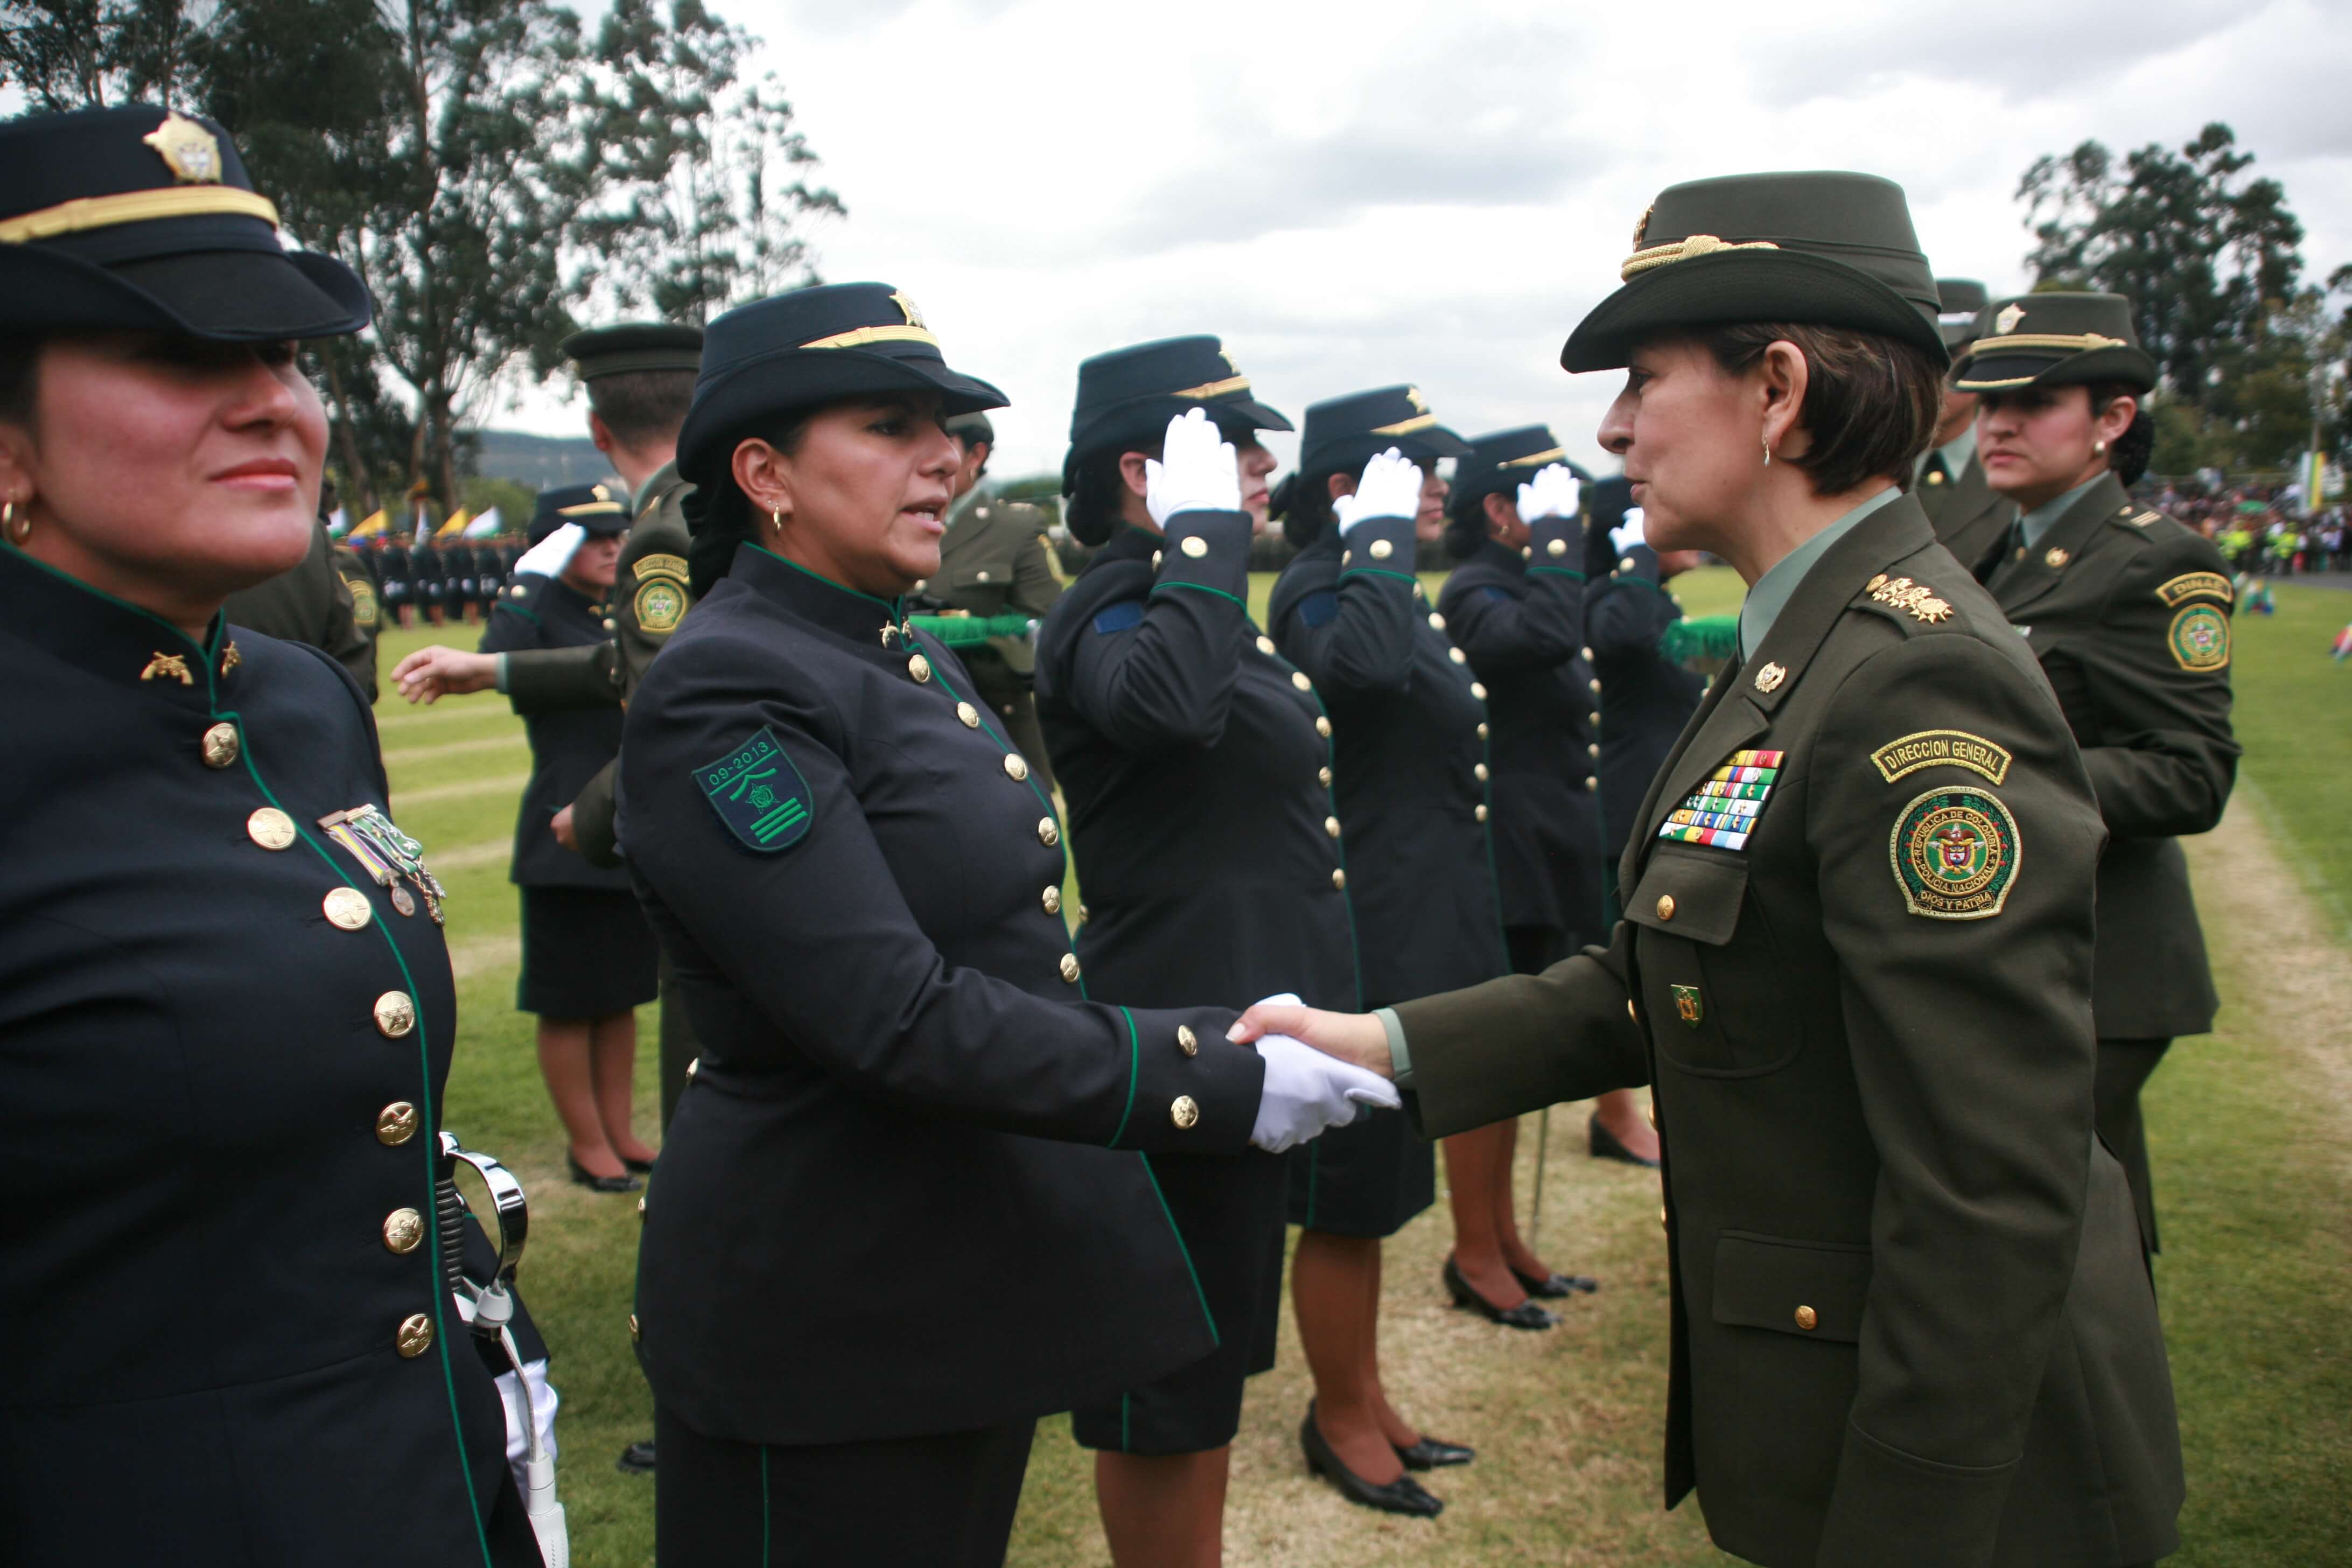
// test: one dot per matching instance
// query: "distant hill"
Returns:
(536, 462)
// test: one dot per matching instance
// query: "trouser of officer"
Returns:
(930, 1501)
(2124, 1066)
(1008, 697)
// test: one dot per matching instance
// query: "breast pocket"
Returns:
(1707, 964)
(980, 588)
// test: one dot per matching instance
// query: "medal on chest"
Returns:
(392, 858)
(1722, 811)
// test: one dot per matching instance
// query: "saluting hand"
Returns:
(435, 672)
(1553, 492)
(1391, 487)
(551, 555)
(1630, 533)
(1196, 472)
(1308, 1091)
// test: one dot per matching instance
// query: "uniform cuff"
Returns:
(1556, 547)
(1378, 544)
(501, 677)
(1207, 552)
(1400, 1058)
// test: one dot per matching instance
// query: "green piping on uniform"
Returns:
(1378, 571)
(889, 605)
(1134, 1070)
(1215, 1339)
(1199, 588)
(1555, 572)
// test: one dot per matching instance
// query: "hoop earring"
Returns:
(17, 529)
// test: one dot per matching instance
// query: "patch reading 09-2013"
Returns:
(759, 793)
(1955, 853)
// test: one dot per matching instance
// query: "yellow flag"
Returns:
(373, 523)
(454, 524)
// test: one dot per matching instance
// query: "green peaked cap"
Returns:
(1822, 248)
(2055, 339)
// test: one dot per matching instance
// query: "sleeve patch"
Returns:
(1955, 853)
(1496, 594)
(2200, 638)
(1320, 608)
(662, 566)
(1120, 618)
(1941, 748)
(2191, 583)
(658, 607)
(759, 793)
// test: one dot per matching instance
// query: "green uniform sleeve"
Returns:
(651, 594)
(1034, 586)
(592, 825)
(551, 680)
(2164, 758)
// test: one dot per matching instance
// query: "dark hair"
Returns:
(1871, 401)
(727, 521)
(641, 405)
(1099, 490)
(2128, 453)
(1466, 520)
(1302, 502)
(20, 360)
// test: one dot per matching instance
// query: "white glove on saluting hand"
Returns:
(1552, 493)
(1307, 1093)
(551, 555)
(1196, 472)
(1628, 533)
(1391, 487)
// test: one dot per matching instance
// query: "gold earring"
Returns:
(1767, 449)
(18, 529)
(2098, 448)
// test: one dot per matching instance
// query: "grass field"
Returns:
(2251, 1129)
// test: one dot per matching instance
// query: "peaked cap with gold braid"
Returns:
(1826, 249)
(141, 219)
(2055, 339)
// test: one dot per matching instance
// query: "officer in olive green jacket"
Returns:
(310, 603)
(2128, 613)
(1968, 514)
(993, 562)
(1912, 1322)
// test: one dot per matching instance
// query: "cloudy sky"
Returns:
(1353, 193)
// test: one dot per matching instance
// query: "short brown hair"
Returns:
(640, 405)
(1871, 401)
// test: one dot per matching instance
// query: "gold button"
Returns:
(1557, 547)
(1015, 767)
(1323, 777)
(1593, 749)
(1808, 1319)
(1457, 655)
(1478, 691)
(1480, 813)
(1935, 476)
(347, 909)
(220, 745)
(1186, 1112)
(1340, 881)
(1629, 1010)
(1047, 834)
(1593, 716)
(1437, 622)
(692, 1068)
(919, 667)
(1591, 784)
(1527, 552)
(968, 714)
(1070, 967)
(1194, 546)
(1155, 560)
(1187, 1041)
(1593, 687)
(270, 828)
(1052, 899)
(1654, 1115)
(1585, 654)
(415, 1335)
(1331, 825)
(610, 624)
(1662, 1218)
(1665, 906)
(1383, 549)
(1479, 772)
(641, 1206)
(635, 1334)
(395, 1015)
(517, 592)
(402, 1229)
(1084, 914)
(1346, 558)
(1481, 732)
(1323, 726)
(395, 1124)
(1298, 679)
(1265, 645)
(983, 571)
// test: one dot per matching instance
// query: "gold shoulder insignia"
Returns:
(2191, 583)
(1918, 599)
(2144, 519)
(662, 566)
(1941, 748)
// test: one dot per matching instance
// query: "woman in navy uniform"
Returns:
(2129, 614)
(1515, 609)
(1409, 779)
(588, 957)
(1911, 1319)
(226, 1008)
(1210, 852)
(902, 1080)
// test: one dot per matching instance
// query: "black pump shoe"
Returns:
(1604, 1146)
(1554, 1286)
(596, 1183)
(1525, 1315)
(637, 1459)
(1403, 1495)
(642, 1167)
(1434, 1454)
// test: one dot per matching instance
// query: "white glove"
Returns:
(1552, 493)
(543, 1401)
(1391, 487)
(1307, 1092)
(551, 555)
(1196, 472)
(1628, 533)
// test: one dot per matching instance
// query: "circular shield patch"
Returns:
(660, 605)
(364, 609)
(1955, 853)
(2200, 638)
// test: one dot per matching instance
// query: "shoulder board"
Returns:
(1907, 596)
(662, 566)
(2144, 519)
(1120, 618)
(2189, 585)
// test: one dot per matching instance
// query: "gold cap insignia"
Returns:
(906, 308)
(187, 149)
(600, 492)
(1642, 226)
(1420, 404)
(1768, 678)
(2006, 322)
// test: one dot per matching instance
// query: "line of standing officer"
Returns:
(1968, 515)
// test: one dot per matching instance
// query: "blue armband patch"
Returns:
(1120, 618)
(759, 793)
(1497, 595)
(1320, 608)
